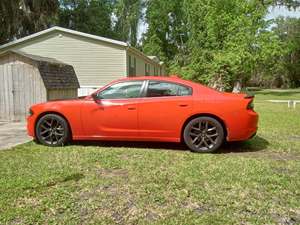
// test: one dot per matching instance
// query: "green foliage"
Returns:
(226, 40)
(215, 42)
(93, 17)
(166, 31)
(20, 18)
(9, 17)
(128, 14)
(288, 30)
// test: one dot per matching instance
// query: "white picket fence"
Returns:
(290, 103)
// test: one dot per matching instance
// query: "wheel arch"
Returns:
(56, 113)
(202, 115)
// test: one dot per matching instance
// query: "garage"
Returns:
(29, 79)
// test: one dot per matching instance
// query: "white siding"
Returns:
(96, 63)
(85, 90)
(140, 65)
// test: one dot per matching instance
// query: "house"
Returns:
(29, 79)
(96, 60)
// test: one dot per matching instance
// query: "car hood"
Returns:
(59, 102)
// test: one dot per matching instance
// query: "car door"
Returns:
(164, 109)
(113, 115)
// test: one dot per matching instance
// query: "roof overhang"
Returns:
(52, 29)
(151, 59)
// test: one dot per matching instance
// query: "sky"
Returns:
(274, 12)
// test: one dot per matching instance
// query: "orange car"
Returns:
(166, 109)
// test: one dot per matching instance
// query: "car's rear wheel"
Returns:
(203, 134)
(52, 130)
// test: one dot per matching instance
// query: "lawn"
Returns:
(255, 182)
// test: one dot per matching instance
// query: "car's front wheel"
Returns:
(52, 130)
(203, 134)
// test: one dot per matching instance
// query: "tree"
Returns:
(20, 18)
(224, 40)
(127, 14)
(89, 16)
(288, 30)
(166, 33)
(213, 42)
(9, 19)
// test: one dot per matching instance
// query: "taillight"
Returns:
(250, 105)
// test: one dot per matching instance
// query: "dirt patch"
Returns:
(294, 138)
(113, 173)
(196, 207)
(27, 202)
(292, 219)
(283, 170)
(151, 216)
(269, 155)
(108, 201)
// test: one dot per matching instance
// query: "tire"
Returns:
(52, 130)
(203, 134)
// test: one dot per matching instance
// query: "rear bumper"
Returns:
(245, 127)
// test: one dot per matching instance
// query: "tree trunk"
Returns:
(237, 87)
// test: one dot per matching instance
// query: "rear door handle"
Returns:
(183, 105)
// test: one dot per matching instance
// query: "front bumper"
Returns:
(31, 125)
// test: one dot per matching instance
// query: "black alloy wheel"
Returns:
(203, 134)
(52, 130)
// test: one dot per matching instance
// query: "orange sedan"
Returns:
(166, 109)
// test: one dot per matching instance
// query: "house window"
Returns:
(132, 66)
(147, 69)
(155, 71)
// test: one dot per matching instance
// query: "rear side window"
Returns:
(130, 89)
(163, 89)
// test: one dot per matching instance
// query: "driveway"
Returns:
(12, 134)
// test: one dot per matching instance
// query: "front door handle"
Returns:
(183, 105)
(131, 108)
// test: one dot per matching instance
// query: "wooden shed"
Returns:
(29, 79)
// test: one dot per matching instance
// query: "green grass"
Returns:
(279, 94)
(255, 182)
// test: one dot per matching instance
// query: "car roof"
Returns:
(162, 78)
(172, 78)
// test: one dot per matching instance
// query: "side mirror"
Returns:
(95, 98)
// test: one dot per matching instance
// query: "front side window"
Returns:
(130, 89)
(163, 89)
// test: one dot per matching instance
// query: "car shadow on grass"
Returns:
(256, 144)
